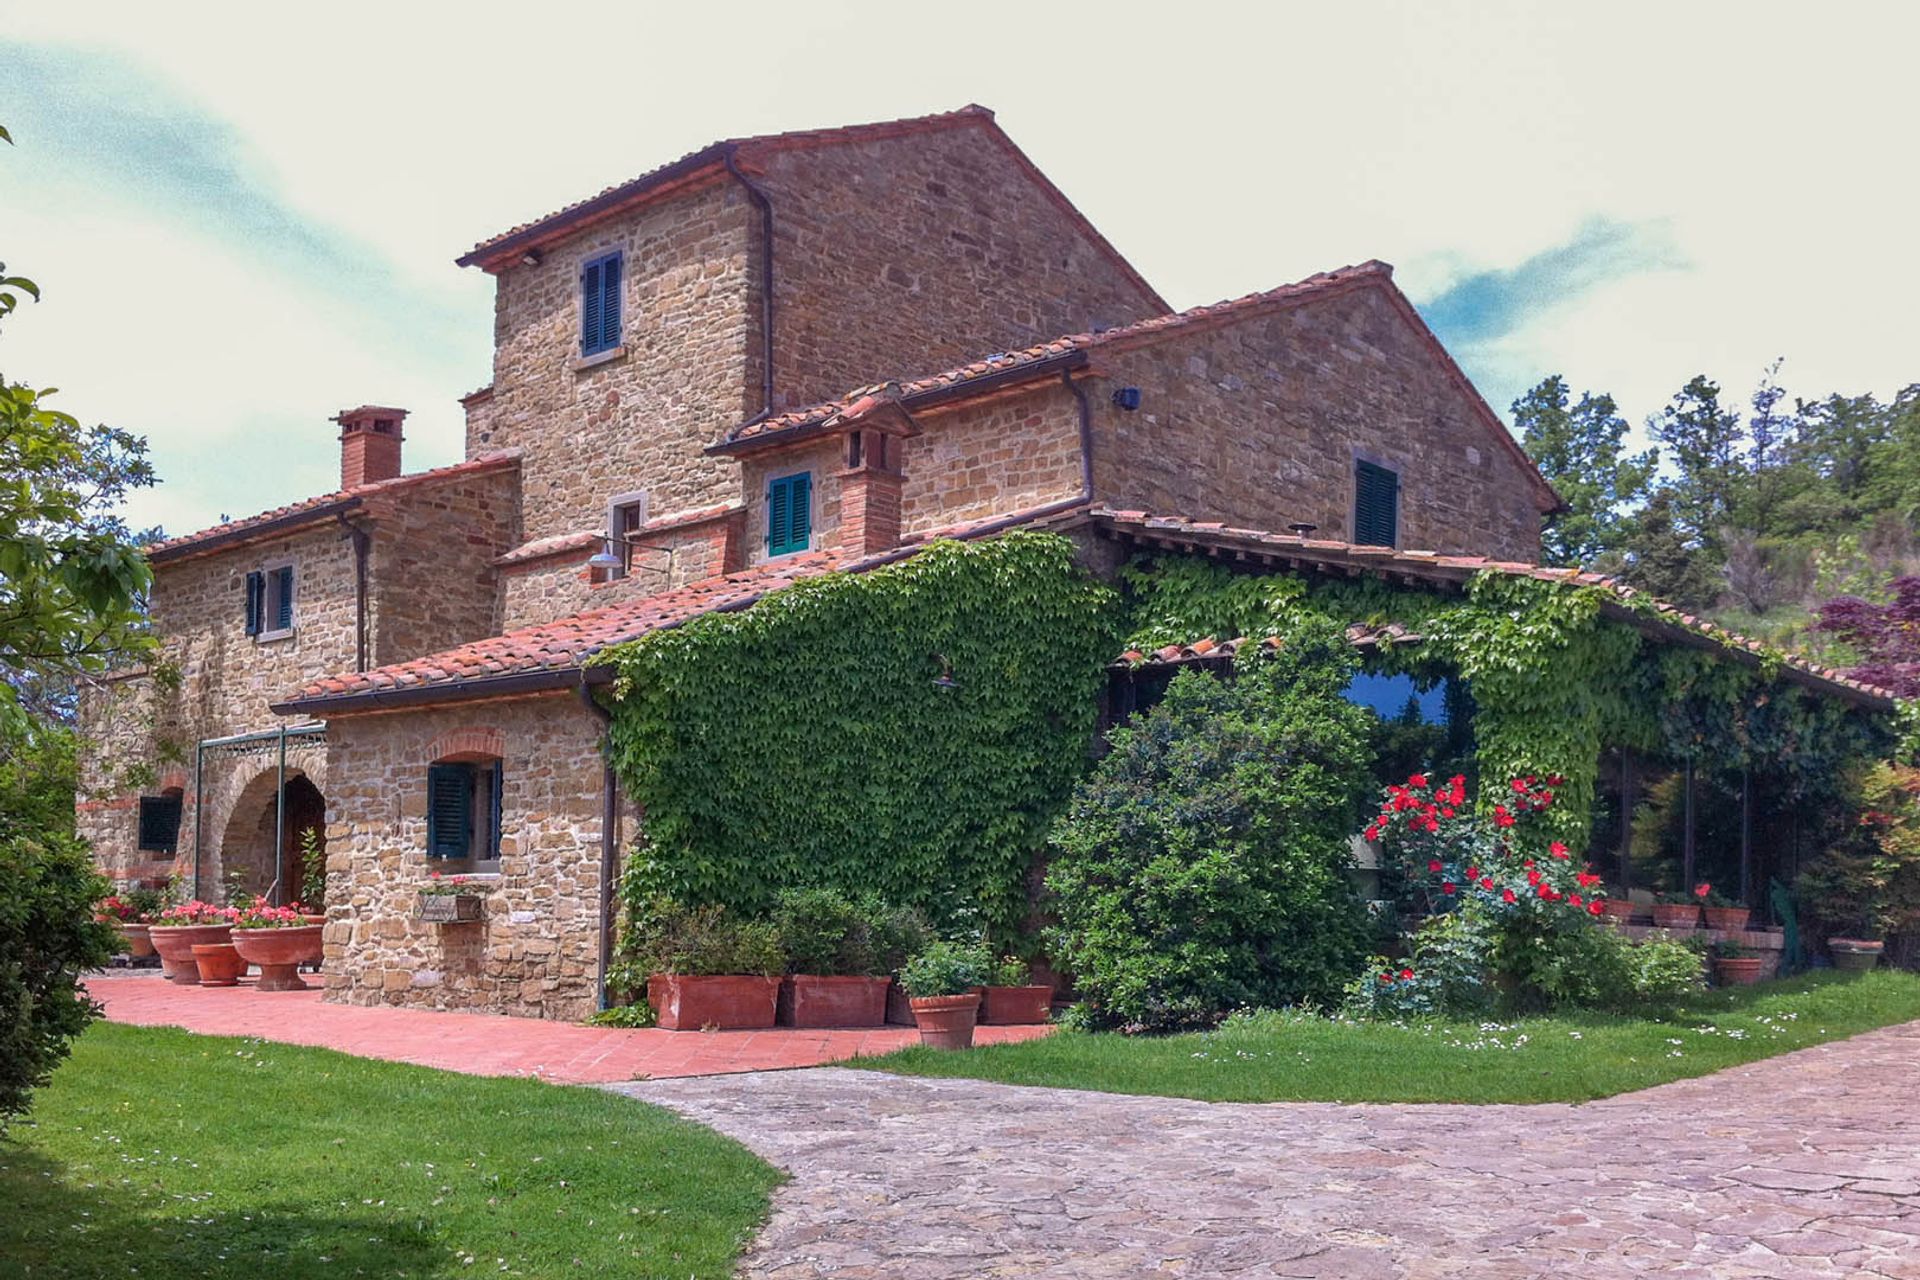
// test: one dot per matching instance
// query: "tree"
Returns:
(1581, 451)
(1703, 441)
(1886, 636)
(1659, 557)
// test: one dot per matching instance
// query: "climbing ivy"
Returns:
(910, 731)
(1553, 679)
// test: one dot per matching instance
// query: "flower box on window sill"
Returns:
(450, 908)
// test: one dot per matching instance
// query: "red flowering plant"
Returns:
(113, 907)
(194, 913)
(1504, 902)
(438, 885)
(261, 914)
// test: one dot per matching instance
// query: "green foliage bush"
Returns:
(672, 937)
(946, 969)
(48, 940)
(803, 742)
(1203, 865)
(824, 932)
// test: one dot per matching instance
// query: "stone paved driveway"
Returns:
(1803, 1166)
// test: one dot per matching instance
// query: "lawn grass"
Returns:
(1298, 1057)
(160, 1154)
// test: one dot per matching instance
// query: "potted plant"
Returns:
(1734, 965)
(277, 939)
(897, 935)
(1619, 909)
(313, 878)
(1680, 910)
(1855, 955)
(832, 978)
(450, 899)
(939, 982)
(708, 970)
(178, 929)
(1012, 998)
(1846, 892)
(1723, 912)
(127, 915)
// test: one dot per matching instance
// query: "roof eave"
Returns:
(254, 532)
(481, 689)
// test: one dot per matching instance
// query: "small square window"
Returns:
(463, 814)
(790, 514)
(270, 602)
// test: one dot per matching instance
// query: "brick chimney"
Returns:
(369, 444)
(877, 429)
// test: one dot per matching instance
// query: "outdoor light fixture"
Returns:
(610, 560)
(1127, 398)
(944, 681)
(605, 557)
(1302, 529)
(532, 257)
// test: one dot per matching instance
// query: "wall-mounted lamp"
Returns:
(608, 560)
(1127, 398)
(944, 681)
(1302, 529)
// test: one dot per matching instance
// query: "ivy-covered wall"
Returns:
(1553, 680)
(910, 731)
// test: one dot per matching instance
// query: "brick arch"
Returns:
(475, 740)
(173, 780)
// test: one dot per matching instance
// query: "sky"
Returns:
(244, 217)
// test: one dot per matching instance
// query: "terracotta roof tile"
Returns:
(186, 544)
(584, 539)
(1628, 604)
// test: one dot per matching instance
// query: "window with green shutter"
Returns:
(790, 514)
(1376, 505)
(464, 813)
(256, 603)
(600, 305)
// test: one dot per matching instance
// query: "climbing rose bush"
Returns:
(1510, 913)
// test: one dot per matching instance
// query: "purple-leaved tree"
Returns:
(1886, 635)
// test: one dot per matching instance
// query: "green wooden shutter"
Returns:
(610, 303)
(256, 601)
(1376, 505)
(790, 514)
(590, 298)
(283, 607)
(493, 836)
(449, 810)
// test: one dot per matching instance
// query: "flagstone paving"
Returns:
(488, 1044)
(1801, 1167)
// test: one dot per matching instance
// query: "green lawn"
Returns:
(1297, 1057)
(160, 1154)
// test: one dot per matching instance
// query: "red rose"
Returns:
(1573, 899)
(1386, 977)
(1533, 877)
(1508, 896)
(1406, 973)
(1519, 787)
(1702, 890)
(1486, 882)
(1593, 908)
(1434, 866)
(1447, 886)
(1417, 780)
(1473, 873)
(1447, 812)
(1557, 849)
(1501, 817)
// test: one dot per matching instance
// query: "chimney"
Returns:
(369, 444)
(877, 429)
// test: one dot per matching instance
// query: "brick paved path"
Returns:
(485, 1044)
(1801, 1167)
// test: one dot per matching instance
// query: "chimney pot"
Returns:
(370, 440)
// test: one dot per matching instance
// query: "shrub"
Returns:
(49, 938)
(898, 932)
(1009, 971)
(1202, 867)
(946, 969)
(700, 942)
(630, 1016)
(825, 932)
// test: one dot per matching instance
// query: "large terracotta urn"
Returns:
(219, 964)
(175, 944)
(946, 1022)
(139, 945)
(279, 953)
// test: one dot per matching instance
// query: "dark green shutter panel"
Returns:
(493, 836)
(789, 513)
(1376, 505)
(449, 810)
(159, 823)
(777, 500)
(800, 514)
(283, 610)
(590, 299)
(256, 601)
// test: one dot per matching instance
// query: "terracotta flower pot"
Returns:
(1854, 955)
(1617, 910)
(1736, 971)
(899, 1008)
(1016, 1006)
(139, 945)
(314, 917)
(175, 944)
(814, 1000)
(219, 964)
(279, 953)
(1676, 915)
(725, 1002)
(1727, 917)
(946, 1022)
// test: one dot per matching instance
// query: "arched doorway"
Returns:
(250, 861)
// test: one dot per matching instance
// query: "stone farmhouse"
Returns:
(774, 357)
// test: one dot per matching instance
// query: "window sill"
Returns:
(612, 355)
(274, 637)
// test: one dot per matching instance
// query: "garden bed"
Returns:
(1568, 1058)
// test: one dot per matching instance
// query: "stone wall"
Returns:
(1259, 423)
(636, 417)
(536, 952)
(545, 587)
(432, 583)
(904, 255)
(1005, 455)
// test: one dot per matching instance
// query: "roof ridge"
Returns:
(996, 362)
(693, 161)
(466, 466)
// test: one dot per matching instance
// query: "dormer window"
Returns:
(600, 305)
(270, 603)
